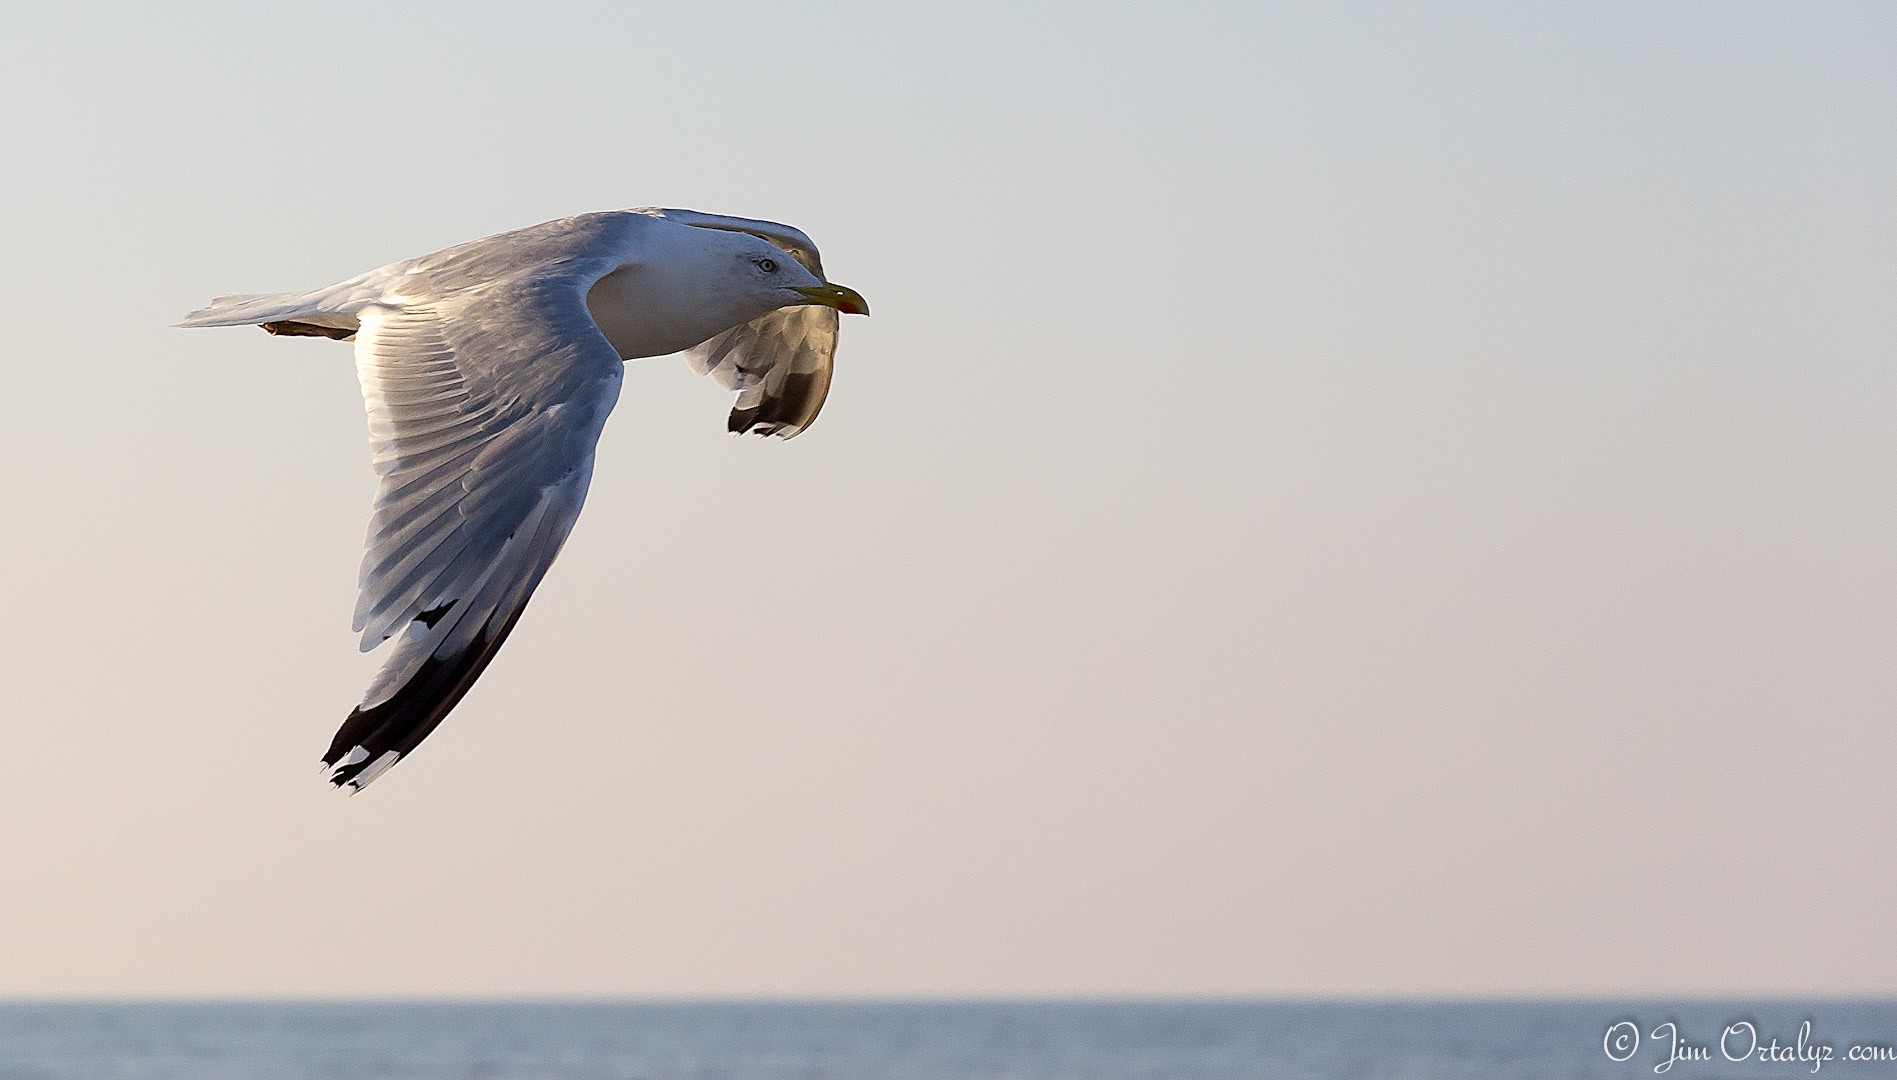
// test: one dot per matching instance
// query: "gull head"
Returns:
(767, 271)
(694, 283)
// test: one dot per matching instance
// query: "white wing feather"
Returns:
(487, 384)
(479, 490)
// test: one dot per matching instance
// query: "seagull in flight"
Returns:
(488, 370)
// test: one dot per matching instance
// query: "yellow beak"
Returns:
(841, 297)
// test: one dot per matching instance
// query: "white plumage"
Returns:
(488, 371)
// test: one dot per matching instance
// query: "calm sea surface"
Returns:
(918, 1041)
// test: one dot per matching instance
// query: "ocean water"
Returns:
(940, 1041)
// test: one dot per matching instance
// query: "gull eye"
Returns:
(769, 266)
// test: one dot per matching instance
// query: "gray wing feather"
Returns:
(487, 384)
(484, 409)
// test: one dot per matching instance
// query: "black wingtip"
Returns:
(742, 420)
(794, 406)
(360, 751)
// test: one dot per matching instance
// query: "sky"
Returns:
(1332, 500)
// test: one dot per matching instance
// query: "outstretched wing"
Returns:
(484, 409)
(778, 363)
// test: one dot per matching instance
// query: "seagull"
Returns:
(488, 370)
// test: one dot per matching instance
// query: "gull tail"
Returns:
(255, 309)
(329, 312)
(287, 314)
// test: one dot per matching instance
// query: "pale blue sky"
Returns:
(1333, 499)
